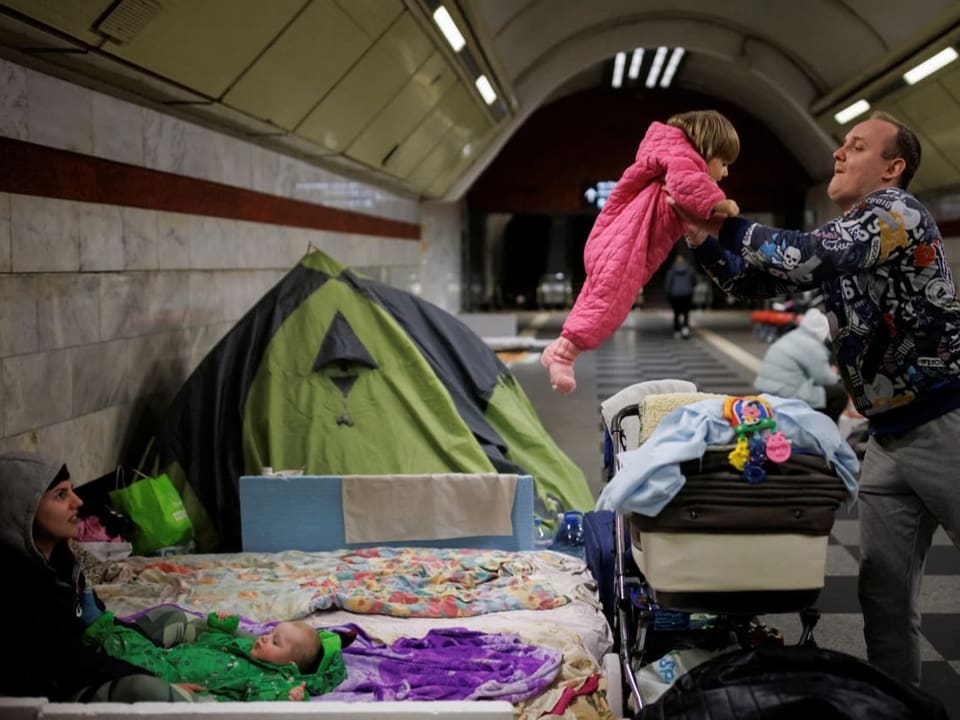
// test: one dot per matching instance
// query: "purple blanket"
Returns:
(445, 664)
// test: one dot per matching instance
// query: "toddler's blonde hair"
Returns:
(710, 133)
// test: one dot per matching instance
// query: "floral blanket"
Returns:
(402, 582)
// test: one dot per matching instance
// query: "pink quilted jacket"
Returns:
(636, 230)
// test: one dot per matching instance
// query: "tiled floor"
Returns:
(644, 349)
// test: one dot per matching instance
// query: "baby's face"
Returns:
(280, 645)
(717, 168)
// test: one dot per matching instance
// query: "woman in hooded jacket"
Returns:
(45, 605)
(798, 366)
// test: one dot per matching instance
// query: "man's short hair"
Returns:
(905, 145)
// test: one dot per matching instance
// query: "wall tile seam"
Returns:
(206, 269)
(123, 338)
(73, 418)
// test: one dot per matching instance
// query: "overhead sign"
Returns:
(596, 195)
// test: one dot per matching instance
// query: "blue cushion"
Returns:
(305, 512)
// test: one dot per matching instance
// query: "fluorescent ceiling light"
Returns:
(671, 67)
(655, 67)
(851, 111)
(928, 67)
(486, 89)
(634, 72)
(618, 62)
(449, 28)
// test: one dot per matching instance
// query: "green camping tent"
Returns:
(338, 374)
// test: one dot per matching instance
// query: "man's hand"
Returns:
(695, 237)
(710, 226)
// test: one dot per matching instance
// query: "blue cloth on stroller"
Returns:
(650, 476)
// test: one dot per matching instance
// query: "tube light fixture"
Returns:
(656, 66)
(634, 72)
(486, 89)
(675, 59)
(449, 28)
(930, 66)
(618, 62)
(851, 111)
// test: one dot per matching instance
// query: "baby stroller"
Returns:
(723, 551)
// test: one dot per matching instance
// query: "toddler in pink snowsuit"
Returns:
(636, 229)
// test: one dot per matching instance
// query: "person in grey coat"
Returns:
(797, 365)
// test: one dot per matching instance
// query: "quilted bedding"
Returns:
(401, 582)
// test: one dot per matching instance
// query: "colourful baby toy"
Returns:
(757, 436)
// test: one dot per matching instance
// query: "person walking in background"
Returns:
(636, 229)
(797, 365)
(46, 606)
(890, 295)
(680, 281)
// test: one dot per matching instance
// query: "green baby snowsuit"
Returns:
(219, 661)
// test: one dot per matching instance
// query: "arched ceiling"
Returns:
(370, 88)
(791, 64)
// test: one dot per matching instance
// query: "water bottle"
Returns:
(569, 537)
(542, 537)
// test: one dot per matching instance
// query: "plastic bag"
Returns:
(156, 508)
(656, 677)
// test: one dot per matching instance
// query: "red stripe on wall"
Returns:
(30, 169)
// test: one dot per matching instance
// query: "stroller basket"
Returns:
(724, 545)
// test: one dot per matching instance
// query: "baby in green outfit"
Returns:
(290, 662)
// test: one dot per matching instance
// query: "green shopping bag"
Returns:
(155, 507)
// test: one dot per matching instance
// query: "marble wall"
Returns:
(105, 309)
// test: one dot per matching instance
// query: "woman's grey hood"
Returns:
(24, 478)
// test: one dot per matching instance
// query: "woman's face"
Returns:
(56, 517)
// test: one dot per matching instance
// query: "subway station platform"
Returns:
(722, 355)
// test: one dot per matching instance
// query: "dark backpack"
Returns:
(599, 551)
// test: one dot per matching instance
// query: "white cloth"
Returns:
(399, 508)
